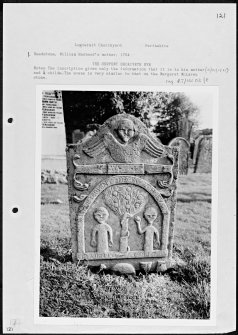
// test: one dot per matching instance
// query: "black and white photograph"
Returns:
(119, 168)
(126, 204)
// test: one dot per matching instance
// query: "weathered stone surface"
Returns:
(202, 157)
(184, 153)
(122, 193)
(124, 268)
(146, 266)
(176, 263)
(161, 266)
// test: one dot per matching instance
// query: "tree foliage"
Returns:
(160, 111)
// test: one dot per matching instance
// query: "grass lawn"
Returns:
(71, 290)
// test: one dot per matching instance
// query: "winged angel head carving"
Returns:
(125, 130)
(125, 137)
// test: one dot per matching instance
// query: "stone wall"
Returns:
(53, 177)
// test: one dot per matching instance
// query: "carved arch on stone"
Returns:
(122, 179)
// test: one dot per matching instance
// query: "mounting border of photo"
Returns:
(137, 323)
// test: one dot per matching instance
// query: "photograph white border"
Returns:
(114, 321)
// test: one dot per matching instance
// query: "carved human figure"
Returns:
(150, 215)
(102, 230)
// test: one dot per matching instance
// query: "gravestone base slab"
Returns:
(128, 266)
(175, 263)
(124, 268)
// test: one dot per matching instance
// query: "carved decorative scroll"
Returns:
(80, 198)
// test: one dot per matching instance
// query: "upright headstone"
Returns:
(184, 128)
(202, 156)
(52, 110)
(77, 135)
(184, 153)
(122, 194)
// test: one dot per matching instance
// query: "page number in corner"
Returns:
(221, 15)
(9, 329)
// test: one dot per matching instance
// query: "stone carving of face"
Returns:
(150, 214)
(126, 130)
(101, 215)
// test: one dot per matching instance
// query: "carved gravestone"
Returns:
(122, 194)
(202, 157)
(184, 153)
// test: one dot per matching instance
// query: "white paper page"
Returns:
(112, 47)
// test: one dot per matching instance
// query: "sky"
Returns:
(54, 142)
(204, 101)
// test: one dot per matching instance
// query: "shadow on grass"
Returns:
(193, 271)
(49, 254)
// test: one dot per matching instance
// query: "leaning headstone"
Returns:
(122, 194)
(184, 153)
(202, 156)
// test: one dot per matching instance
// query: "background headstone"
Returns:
(202, 156)
(184, 128)
(184, 153)
(53, 129)
(122, 194)
(77, 135)
(52, 109)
